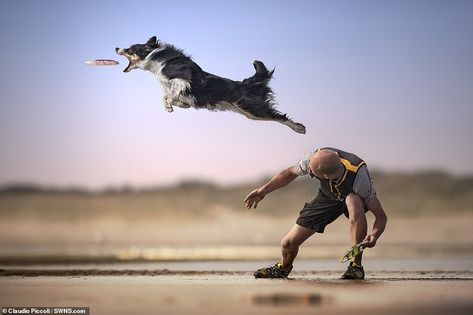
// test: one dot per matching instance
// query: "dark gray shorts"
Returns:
(320, 212)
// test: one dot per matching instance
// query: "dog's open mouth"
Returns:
(122, 52)
(128, 68)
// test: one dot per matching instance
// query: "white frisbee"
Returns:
(101, 62)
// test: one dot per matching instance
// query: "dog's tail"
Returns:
(258, 97)
(258, 85)
(261, 76)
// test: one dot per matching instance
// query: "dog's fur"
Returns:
(186, 85)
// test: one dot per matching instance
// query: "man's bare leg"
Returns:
(358, 223)
(291, 242)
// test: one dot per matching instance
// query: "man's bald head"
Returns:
(325, 163)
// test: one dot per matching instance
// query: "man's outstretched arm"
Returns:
(278, 181)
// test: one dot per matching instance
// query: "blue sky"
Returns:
(391, 81)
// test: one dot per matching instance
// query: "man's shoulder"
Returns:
(363, 185)
(302, 166)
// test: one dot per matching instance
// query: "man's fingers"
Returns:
(366, 241)
(248, 204)
(252, 200)
(369, 241)
(250, 195)
(248, 200)
(247, 197)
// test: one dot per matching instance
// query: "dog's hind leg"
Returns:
(283, 119)
(264, 112)
(297, 127)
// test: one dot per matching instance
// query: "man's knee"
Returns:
(355, 206)
(295, 238)
(288, 244)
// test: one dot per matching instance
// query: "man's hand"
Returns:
(369, 241)
(254, 198)
(278, 181)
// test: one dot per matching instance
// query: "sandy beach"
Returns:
(204, 264)
(416, 286)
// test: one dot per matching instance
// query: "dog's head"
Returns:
(137, 53)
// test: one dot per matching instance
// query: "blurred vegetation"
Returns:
(402, 194)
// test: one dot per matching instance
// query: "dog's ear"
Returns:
(152, 41)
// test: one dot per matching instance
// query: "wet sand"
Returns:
(421, 286)
(152, 269)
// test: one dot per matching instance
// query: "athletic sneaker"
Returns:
(354, 272)
(275, 271)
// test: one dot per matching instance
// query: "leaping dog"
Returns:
(186, 85)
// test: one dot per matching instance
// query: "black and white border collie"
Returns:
(186, 85)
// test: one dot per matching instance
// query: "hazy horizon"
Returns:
(388, 81)
(194, 182)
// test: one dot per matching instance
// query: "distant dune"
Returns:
(403, 194)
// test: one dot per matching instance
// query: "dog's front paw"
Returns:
(167, 104)
(166, 100)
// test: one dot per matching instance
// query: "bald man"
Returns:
(345, 188)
